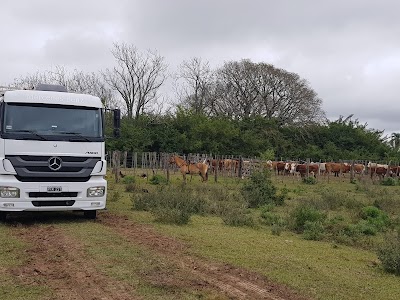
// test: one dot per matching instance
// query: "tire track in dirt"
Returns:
(59, 262)
(236, 283)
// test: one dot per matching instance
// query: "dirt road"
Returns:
(59, 261)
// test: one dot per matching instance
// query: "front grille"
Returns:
(46, 158)
(52, 195)
(53, 203)
(52, 179)
(46, 169)
(30, 167)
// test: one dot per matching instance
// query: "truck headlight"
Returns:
(9, 192)
(96, 191)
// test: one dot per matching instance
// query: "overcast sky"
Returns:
(349, 50)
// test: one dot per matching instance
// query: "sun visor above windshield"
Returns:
(49, 97)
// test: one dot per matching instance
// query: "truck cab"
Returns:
(52, 151)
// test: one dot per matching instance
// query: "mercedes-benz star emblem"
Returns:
(55, 163)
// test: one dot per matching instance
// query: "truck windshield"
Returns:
(45, 121)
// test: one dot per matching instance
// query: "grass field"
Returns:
(331, 267)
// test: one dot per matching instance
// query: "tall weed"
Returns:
(389, 253)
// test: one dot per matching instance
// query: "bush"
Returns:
(277, 228)
(388, 203)
(309, 180)
(313, 230)
(115, 196)
(375, 217)
(171, 216)
(158, 179)
(270, 218)
(238, 217)
(171, 205)
(302, 214)
(259, 190)
(389, 181)
(130, 187)
(389, 254)
(128, 179)
(333, 199)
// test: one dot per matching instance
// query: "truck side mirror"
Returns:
(117, 122)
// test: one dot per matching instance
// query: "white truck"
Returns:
(52, 151)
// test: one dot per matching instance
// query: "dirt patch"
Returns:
(59, 262)
(235, 283)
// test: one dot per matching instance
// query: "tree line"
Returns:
(188, 132)
(239, 108)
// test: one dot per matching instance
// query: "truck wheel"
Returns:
(90, 214)
(3, 216)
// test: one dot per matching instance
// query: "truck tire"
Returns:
(3, 216)
(90, 214)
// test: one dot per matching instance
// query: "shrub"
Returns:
(388, 203)
(389, 254)
(130, 187)
(171, 205)
(375, 217)
(277, 228)
(313, 230)
(270, 218)
(259, 190)
(309, 180)
(128, 179)
(366, 228)
(333, 199)
(115, 196)
(238, 217)
(171, 216)
(220, 199)
(158, 179)
(389, 181)
(304, 213)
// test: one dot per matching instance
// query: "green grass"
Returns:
(323, 270)
(12, 256)
(136, 266)
(318, 268)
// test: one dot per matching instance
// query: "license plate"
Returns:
(54, 189)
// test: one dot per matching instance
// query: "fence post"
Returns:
(240, 167)
(166, 164)
(125, 159)
(216, 167)
(352, 171)
(116, 162)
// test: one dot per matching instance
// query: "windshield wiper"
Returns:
(31, 132)
(78, 134)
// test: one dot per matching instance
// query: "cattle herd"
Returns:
(332, 168)
(302, 169)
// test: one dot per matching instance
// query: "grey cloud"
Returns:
(347, 50)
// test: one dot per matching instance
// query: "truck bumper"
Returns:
(34, 196)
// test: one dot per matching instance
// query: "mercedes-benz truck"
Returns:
(52, 153)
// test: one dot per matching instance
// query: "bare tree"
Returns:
(30, 81)
(245, 89)
(137, 77)
(237, 89)
(195, 78)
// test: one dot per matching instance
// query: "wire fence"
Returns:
(151, 163)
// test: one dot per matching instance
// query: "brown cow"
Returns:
(394, 171)
(378, 171)
(359, 168)
(336, 168)
(276, 166)
(302, 169)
